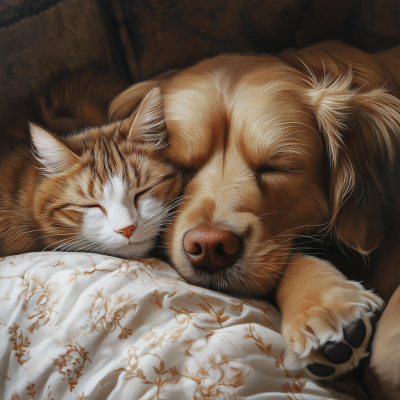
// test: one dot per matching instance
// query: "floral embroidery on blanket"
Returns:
(86, 326)
(71, 364)
(107, 312)
(217, 377)
(20, 344)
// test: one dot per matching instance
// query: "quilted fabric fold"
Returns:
(77, 326)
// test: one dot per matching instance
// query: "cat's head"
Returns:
(107, 189)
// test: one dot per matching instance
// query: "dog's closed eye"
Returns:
(272, 170)
(266, 169)
(270, 174)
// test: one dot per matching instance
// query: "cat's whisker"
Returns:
(69, 243)
(178, 201)
(52, 234)
(33, 230)
(81, 203)
(51, 244)
(63, 226)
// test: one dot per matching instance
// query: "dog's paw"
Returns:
(331, 333)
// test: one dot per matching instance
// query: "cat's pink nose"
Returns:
(127, 231)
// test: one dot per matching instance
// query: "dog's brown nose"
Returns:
(211, 249)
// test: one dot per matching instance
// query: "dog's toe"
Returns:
(330, 339)
(355, 333)
(341, 356)
(337, 357)
(337, 353)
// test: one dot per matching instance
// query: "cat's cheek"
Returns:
(141, 249)
(152, 214)
(96, 228)
(135, 250)
(151, 208)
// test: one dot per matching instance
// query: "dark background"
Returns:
(140, 38)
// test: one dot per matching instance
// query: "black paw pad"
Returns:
(337, 353)
(355, 333)
(321, 370)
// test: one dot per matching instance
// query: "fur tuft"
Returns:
(50, 152)
(149, 122)
(360, 127)
(100, 190)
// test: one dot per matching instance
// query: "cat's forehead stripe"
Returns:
(106, 160)
(110, 155)
(115, 189)
(105, 172)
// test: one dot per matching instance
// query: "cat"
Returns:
(106, 189)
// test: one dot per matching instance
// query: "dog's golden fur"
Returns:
(280, 147)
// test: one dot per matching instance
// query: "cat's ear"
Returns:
(147, 123)
(50, 151)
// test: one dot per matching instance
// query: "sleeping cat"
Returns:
(106, 189)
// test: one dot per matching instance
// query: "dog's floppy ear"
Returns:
(123, 105)
(361, 130)
(147, 123)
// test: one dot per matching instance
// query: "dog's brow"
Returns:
(225, 141)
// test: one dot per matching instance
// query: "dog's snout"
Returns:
(211, 249)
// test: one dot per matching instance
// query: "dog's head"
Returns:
(273, 153)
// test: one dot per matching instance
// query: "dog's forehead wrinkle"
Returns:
(278, 137)
(263, 128)
(220, 80)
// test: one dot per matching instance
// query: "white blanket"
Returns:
(77, 326)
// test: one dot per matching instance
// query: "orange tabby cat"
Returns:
(106, 189)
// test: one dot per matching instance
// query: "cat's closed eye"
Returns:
(140, 194)
(78, 191)
(76, 207)
(94, 206)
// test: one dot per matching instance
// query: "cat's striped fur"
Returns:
(81, 192)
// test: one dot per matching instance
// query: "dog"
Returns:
(279, 148)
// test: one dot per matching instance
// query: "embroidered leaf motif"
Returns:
(261, 347)
(71, 364)
(156, 299)
(298, 376)
(205, 307)
(15, 396)
(31, 391)
(107, 313)
(49, 396)
(173, 371)
(230, 379)
(219, 312)
(297, 385)
(20, 344)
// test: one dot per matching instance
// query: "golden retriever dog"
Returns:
(279, 148)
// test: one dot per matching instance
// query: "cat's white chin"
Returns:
(132, 250)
